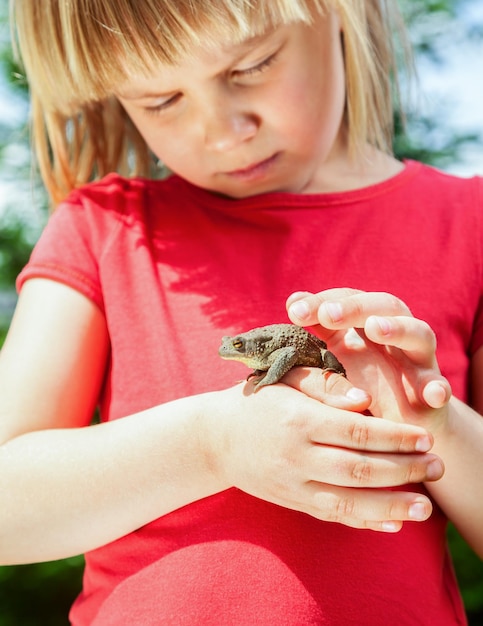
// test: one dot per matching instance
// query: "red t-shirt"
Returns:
(174, 268)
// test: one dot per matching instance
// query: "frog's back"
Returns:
(291, 335)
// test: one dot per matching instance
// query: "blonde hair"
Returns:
(75, 52)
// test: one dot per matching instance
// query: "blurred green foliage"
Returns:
(41, 594)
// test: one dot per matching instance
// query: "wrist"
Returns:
(213, 438)
(444, 428)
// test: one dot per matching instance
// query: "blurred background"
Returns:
(444, 127)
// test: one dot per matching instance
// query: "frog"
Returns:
(274, 349)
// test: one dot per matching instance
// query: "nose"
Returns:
(227, 127)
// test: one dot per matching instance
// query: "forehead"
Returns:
(213, 56)
(91, 47)
(77, 52)
(230, 27)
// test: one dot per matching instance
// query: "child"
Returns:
(206, 503)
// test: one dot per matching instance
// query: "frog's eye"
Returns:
(237, 343)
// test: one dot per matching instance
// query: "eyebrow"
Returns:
(238, 50)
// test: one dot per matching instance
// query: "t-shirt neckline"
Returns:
(287, 199)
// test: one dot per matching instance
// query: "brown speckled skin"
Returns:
(273, 350)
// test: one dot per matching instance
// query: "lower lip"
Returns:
(256, 171)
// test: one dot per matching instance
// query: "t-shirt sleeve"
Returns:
(66, 251)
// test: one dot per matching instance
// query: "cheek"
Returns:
(310, 114)
(170, 146)
(165, 141)
(311, 103)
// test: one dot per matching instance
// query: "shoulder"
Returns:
(116, 202)
(121, 195)
(442, 197)
(434, 179)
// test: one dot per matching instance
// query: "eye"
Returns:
(237, 343)
(258, 68)
(163, 106)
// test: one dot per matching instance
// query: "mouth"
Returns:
(255, 171)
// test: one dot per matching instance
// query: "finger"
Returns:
(328, 387)
(380, 510)
(413, 336)
(418, 341)
(436, 393)
(335, 293)
(303, 306)
(353, 310)
(354, 431)
(348, 468)
(297, 295)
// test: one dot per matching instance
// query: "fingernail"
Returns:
(434, 471)
(300, 310)
(357, 395)
(390, 527)
(418, 512)
(334, 309)
(435, 394)
(383, 324)
(423, 444)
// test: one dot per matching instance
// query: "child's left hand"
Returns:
(385, 350)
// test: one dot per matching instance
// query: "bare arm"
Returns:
(458, 493)
(461, 445)
(66, 488)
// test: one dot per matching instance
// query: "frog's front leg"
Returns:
(281, 361)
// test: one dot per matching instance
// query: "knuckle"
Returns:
(359, 433)
(415, 472)
(345, 508)
(332, 381)
(404, 443)
(358, 305)
(362, 472)
(294, 422)
(335, 506)
(394, 510)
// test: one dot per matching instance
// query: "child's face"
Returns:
(265, 115)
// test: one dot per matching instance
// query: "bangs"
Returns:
(75, 52)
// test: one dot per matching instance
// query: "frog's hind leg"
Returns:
(256, 374)
(331, 363)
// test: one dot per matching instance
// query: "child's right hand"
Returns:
(337, 465)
